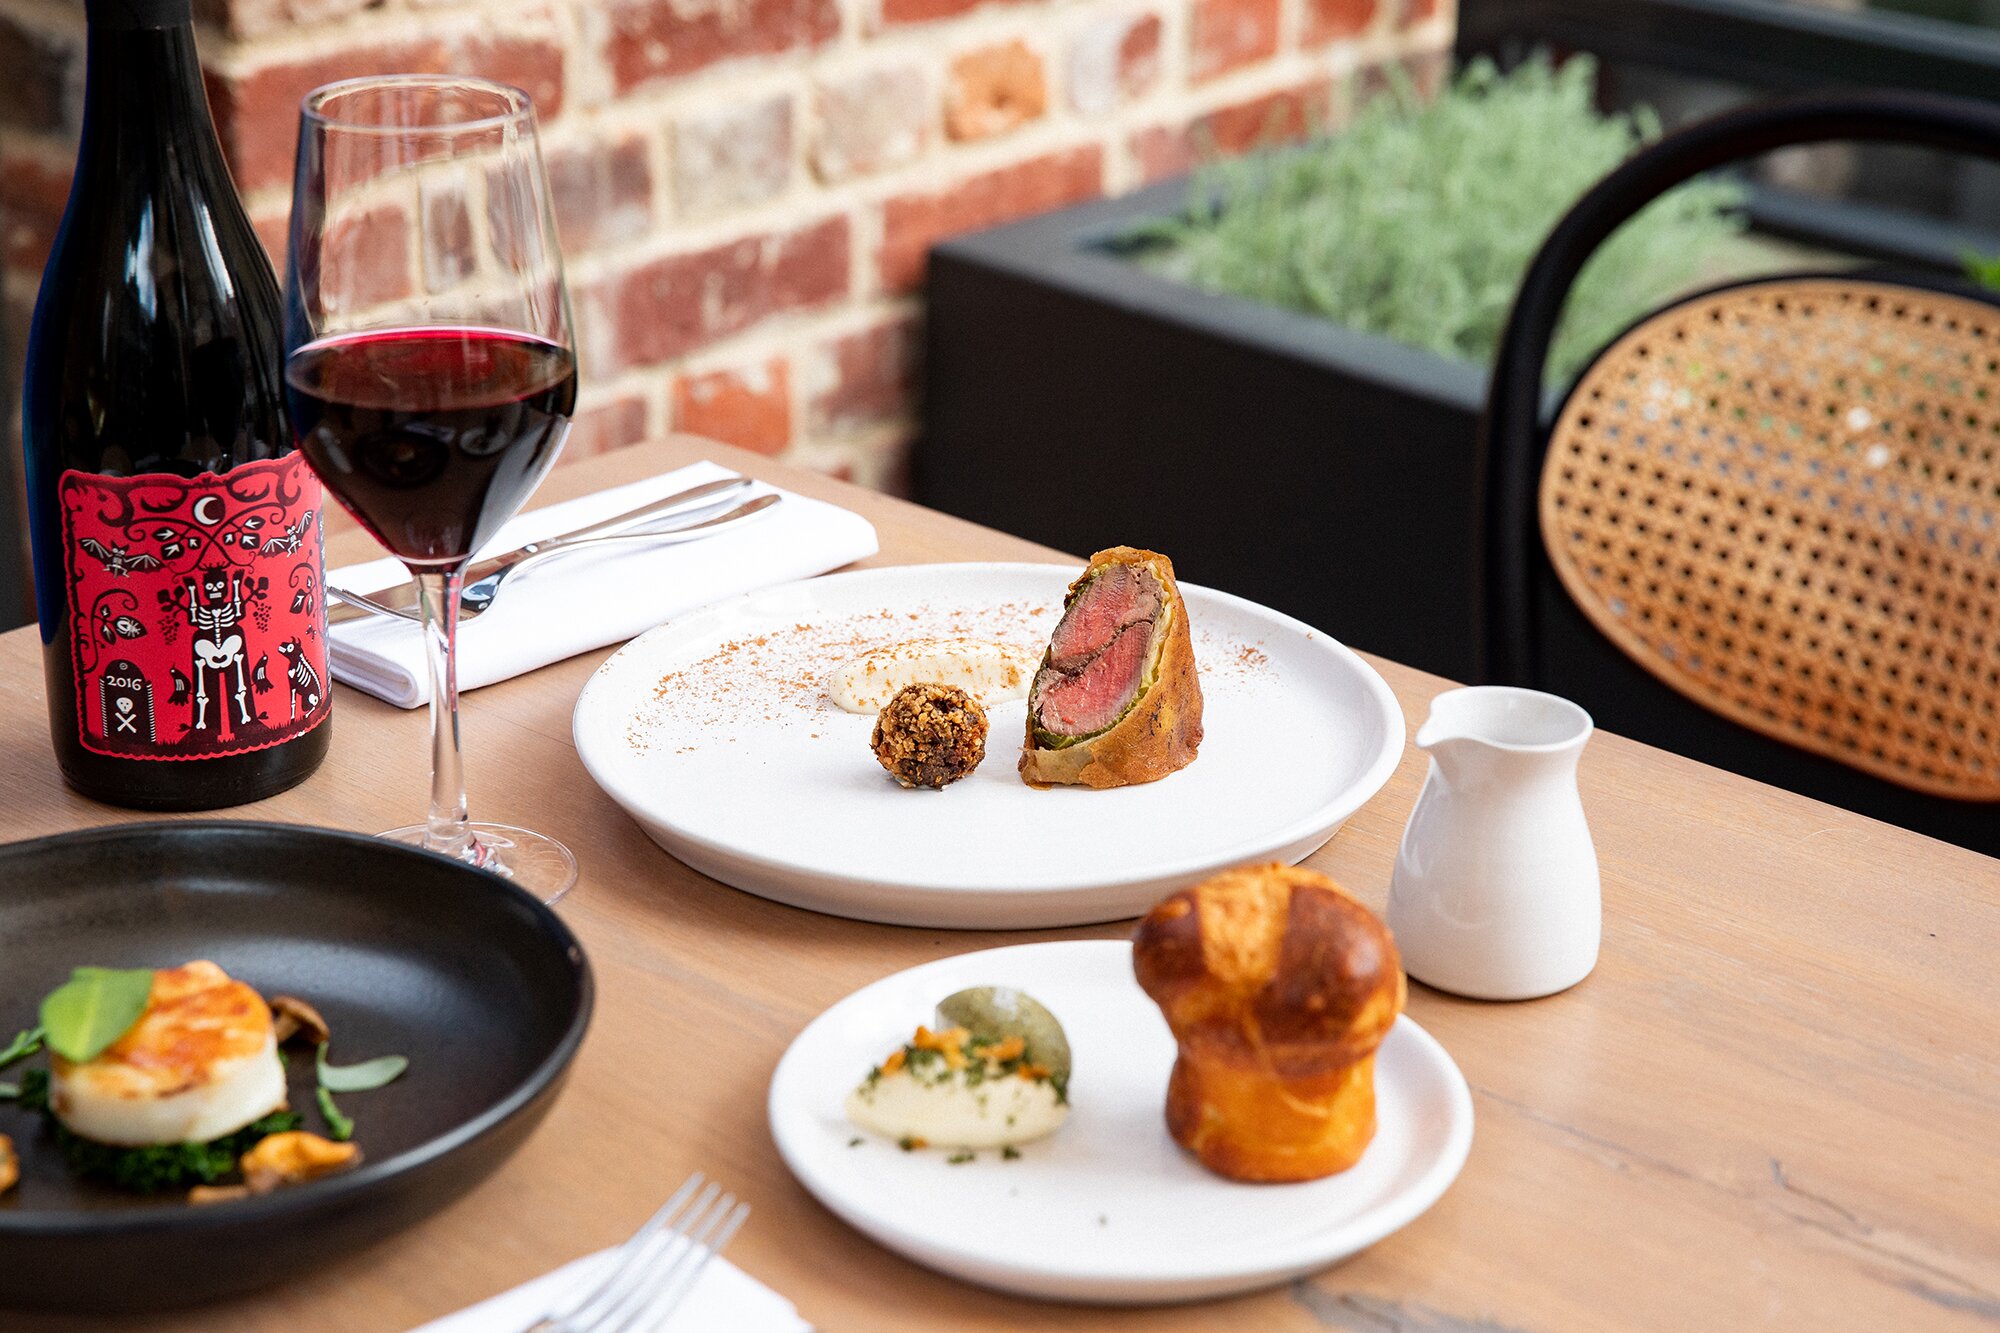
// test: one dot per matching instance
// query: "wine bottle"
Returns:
(177, 536)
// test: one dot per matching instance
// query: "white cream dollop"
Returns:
(956, 1114)
(956, 1097)
(989, 671)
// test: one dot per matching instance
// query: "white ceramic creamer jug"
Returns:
(1495, 893)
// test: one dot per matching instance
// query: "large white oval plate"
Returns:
(1109, 1208)
(715, 734)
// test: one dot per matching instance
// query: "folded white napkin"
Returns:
(574, 603)
(725, 1297)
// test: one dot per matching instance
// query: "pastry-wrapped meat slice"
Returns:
(1116, 700)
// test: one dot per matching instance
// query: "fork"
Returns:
(477, 597)
(640, 1291)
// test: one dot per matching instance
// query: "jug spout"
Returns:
(1482, 723)
(1455, 754)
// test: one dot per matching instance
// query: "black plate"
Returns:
(481, 986)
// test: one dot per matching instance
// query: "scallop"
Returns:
(201, 1062)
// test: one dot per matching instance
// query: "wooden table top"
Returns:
(1776, 1103)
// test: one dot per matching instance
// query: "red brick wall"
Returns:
(746, 189)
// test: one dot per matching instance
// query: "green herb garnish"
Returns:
(854, 1142)
(338, 1127)
(364, 1077)
(960, 1158)
(159, 1167)
(24, 1045)
(9, 1091)
(1010, 1153)
(94, 1008)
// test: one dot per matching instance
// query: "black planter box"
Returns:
(1077, 399)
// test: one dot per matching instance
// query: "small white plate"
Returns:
(715, 733)
(1108, 1209)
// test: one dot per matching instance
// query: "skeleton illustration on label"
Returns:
(206, 591)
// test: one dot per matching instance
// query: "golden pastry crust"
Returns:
(1279, 987)
(1161, 733)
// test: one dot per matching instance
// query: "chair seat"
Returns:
(1782, 499)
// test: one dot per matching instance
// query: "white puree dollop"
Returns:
(979, 1105)
(989, 671)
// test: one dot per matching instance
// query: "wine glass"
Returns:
(429, 369)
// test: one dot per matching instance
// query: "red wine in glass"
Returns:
(432, 437)
(431, 416)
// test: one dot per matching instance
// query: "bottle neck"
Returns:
(143, 78)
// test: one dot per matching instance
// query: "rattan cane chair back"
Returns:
(1761, 528)
(1782, 499)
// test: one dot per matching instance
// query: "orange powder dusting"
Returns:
(778, 678)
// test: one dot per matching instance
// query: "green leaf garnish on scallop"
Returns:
(94, 1008)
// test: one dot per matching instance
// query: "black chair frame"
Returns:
(1514, 432)
(1514, 571)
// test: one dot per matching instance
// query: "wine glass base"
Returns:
(535, 861)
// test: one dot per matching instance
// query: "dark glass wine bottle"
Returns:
(178, 547)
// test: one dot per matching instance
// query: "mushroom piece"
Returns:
(10, 1164)
(292, 1158)
(293, 1017)
(201, 1194)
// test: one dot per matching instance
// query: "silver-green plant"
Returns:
(1419, 219)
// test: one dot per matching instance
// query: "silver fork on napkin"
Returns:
(401, 600)
(654, 1270)
(479, 594)
(487, 575)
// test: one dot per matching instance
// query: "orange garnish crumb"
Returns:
(1010, 1049)
(949, 1043)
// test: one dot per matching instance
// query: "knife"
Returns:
(401, 599)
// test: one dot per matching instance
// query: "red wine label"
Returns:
(196, 620)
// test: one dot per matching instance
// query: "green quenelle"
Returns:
(994, 1013)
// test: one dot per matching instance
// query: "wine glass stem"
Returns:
(437, 602)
